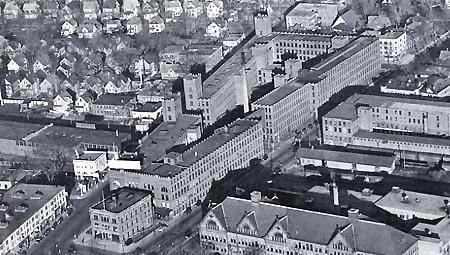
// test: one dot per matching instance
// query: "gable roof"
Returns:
(350, 18)
(315, 227)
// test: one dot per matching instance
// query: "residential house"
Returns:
(173, 8)
(69, 27)
(143, 66)
(91, 9)
(214, 9)
(49, 84)
(50, 9)
(348, 21)
(150, 9)
(84, 102)
(42, 63)
(130, 8)
(11, 10)
(93, 62)
(193, 8)
(112, 26)
(111, 9)
(67, 13)
(377, 22)
(171, 54)
(19, 62)
(215, 29)
(31, 10)
(114, 106)
(89, 30)
(156, 25)
(94, 83)
(134, 26)
(63, 102)
(172, 71)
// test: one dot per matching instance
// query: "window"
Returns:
(212, 225)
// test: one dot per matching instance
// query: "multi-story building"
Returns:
(403, 124)
(292, 105)
(238, 226)
(90, 164)
(25, 211)
(312, 15)
(126, 213)
(393, 46)
(185, 178)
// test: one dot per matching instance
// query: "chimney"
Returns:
(427, 231)
(353, 214)
(117, 132)
(395, 189)
(335, 194)
(255, 197)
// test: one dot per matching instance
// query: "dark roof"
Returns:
(314, 227)
(121, 199)
(115, 99)
(149, 107)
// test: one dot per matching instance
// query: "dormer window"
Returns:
(19, 194)
(212, 225)
(278, 237)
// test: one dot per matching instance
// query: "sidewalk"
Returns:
(100, 185)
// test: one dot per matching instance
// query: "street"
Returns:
(60, 238)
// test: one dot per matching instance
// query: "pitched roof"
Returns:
(314, 227)
(377, 22)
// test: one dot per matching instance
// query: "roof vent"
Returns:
(395, 189)
(405, 198)
(4, 224)
(19, 194)
(4, 206)
(129, 196)
(37, 195)
(23, 207)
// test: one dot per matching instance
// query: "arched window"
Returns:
(278, 237)
(164, 189)
(212, 225)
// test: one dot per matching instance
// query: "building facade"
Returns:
(90, 164)
(393, 46)
(238, 226)
(184, 179)
(26, 210)
(125, 214)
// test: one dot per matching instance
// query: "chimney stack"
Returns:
(255, 197)
(335, 194)
(353, 214)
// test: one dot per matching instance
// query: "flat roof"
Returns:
(121, 199)
(115, 99)
(165, 136)
(343, 53)
(402, 138)
(11, 198)
(303, 9)
(417, 202)
(162, 170)
(392, 35)
(90, 155)
(347, 109)
(278, 94)
(72, 137)
(219, 138)
(304, 37)
(348, 157)
(149, 107)
(17, 130)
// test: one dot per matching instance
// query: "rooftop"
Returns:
(314, 227)
(348, 157)
(90, 155)
(304, 37)
(31, 197)
(278, 94)
(149, 107)
(162, 170)
(324, 10)
(121, 199)
(347, 109)
(165, 136)
(115, 99)
(72, 137)
(17, 130)
(415, 202)
(444, 141)
(391, 35)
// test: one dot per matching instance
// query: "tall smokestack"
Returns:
(335, 194)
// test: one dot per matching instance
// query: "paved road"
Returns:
(64, 233)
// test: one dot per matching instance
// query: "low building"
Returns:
(25, 211)
(238, 226)
(126, 213)
(393, 46)
(114, 106)
(90, 164)
(206, 54)
(148, 110)
(408, 204)
(312, 15)
(361, 161)
(434, 239)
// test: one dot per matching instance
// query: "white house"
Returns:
(156, 25)
(214, 30)
(110, 9)
(393, 46)
(214, 9)
(88, 30)
(112, 26)
(31, 10)
(130, 8)
(83, 103)
(11, 10)
(193, 8)
(143, 66)
(134, 26)
(90, 164)
(149, 110)
(69, 27)
(173, 7)
(62, 103)
(90, 9)
(150, 10)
